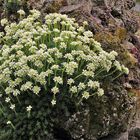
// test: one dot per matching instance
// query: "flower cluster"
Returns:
(56, 57)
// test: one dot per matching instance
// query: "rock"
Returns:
(130, 24)
(123, 136)
(133, 78)
(83, 5)
(128, 45)
(127, 85)
(136, 39)
(77, 125)
(109, 115)
(133, 138)
(134, 132)
(47, 6)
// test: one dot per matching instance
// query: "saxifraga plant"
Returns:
(46, 67)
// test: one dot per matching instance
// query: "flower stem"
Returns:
(117, 76)
(110, 73)
(18, 100)
(78, 76)
(12, 125)
(2, 112)
(99, 72)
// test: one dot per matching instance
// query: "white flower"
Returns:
(118, 66)
(55, 90)
(55, 67)
(63, 45)
(48, 72)
(38, 63)
(74, 43)
(70, 81)
(41, 78)
(16, 92)
(100, 92)
(26, 86)
(93, 84)
(1, 34)
(85, 23)
(53, 102)
(81, 86)
(35, 13)
(36, 89)
(18, 80)
(88, 73)
(97, 45)
(21, 12)
(81, 29)
(56, 30)
(73, 89)
(7, 99)
(28, 108)
(91, 67)
(9, 122)
(112, 55)
(85, 95)
(33, 73)
(69, 56)
(12, 106)
(63, 23)
(33, 49)
(58, 79)
(85, 39)
(0, 95)
(70, 67)
(8, 90)
(57, 39)
(88, 34)
(50, 60)
(4, 22)
(43, 46)
(125, 70)
(58, 55)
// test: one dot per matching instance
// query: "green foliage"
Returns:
(11, 6)
(46, 69)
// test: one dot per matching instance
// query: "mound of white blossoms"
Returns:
(53, 57)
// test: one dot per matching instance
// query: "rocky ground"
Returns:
(137, 7)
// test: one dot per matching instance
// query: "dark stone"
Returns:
(132, 138)
(131, 25)
(130, 4)
(98, 117)
(135, 132)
